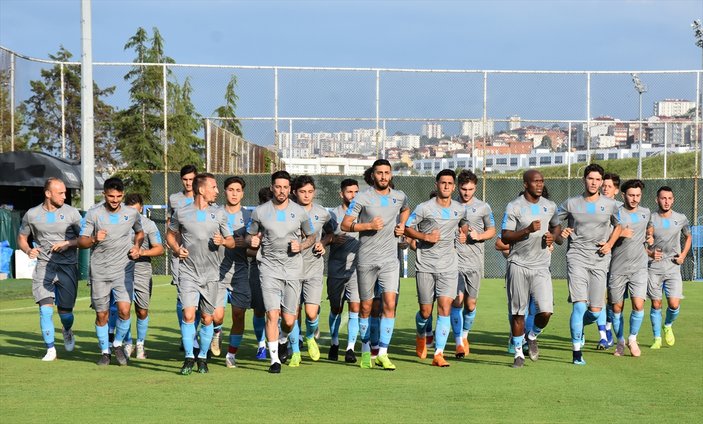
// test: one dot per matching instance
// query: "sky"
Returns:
(627, 35)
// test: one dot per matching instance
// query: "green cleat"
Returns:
(385, 362)
(295, 360)
(669, 335)
(366, 360)
(313, 349)
(187, 367)
(657, 343)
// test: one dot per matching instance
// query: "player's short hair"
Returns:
(189, 169)
(303, 180)
(380, 162)
(113, 183)
(280, 175)
(664, 188)
(347, 182)
(231, 180)
(594, 167)
(200, 179)
(47, 183)
(634, 183)
(444, 173)
(265, 194)
(615, 178)
(466, 176)
(367, 176)
(133, 199)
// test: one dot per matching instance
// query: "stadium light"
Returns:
(641, 89)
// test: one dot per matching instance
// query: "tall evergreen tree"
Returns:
(185, 147)
(228, 110)
(6, 119)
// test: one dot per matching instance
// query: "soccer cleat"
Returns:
(438, 361)
(295, 360)
(533, 349)
(578, 358)
(202, 366)
(366, 360)
(69, 340)
(141, 352)
(230, 361)
(128, 349)
(261, 353)
(104, 359)
(421, 347)
(518, 362)
(657, 343)
(620, 348)
(385, 362)
(50, 355)
(669, 338)
(283, 352)
(634, 348)
(275, 368)
(350, 357)
(460, 353)
(215, 344)
(187, 367)
(121, 355)
(333, 354)
(313, 349)
(602, 344)
(465, 342)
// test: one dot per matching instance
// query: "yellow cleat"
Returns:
(657, 343)
(669, 335)
(295, 360)
(385, 362)
(313, 349)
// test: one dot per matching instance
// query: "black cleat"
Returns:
(187, 367)
(350, 357)
(202, 366)
(121, 356)
(283, 352)
(333, 354)
(519, 362)
(275, 368)
(104, 360)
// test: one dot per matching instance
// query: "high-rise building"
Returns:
(432, 130)
(673, 107)
(514, 123)
(476, 128)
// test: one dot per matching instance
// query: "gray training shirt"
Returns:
(342, 259)
(629, 254)
(279, 228)
(428, 216)
(313, 264)
(592, 223)
(235, 260)
(109, 257)
(48, 228)
(177, 201)
(152, 237)
(519, 214)
(667, 237)
(480, 218)
(197, 227)
(382, 245)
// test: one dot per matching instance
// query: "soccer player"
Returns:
(527, 230)
(341, 276)
(435, 224)
(234, 269)
(195, 233)
(54, 227)
(592, 229)
(114, 234)
(277, 227)
(628, 267)
(373, 214)
(610, 189)
(665, 259)
(481, 228)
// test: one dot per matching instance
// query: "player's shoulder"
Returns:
(547, 203)
(35, 211)
(679, 218)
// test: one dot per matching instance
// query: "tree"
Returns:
(184, 122)
(228, 110)
(546, 143)
(43, 114)
(6, 119)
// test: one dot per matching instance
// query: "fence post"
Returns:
(12, 102)
(587, 133)
(276, 140)
(63, 115)
(485, 132)
(378, 108)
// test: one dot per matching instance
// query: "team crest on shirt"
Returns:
(473, 210)
(544, 208)
(676, 222)
(292, 215)
(317, 218)
(643, 216)
(456, 213)
(602, 208)
(212, 216)
(395, 200)
(61, 217)
(126, 218)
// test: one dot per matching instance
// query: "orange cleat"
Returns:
(439, 361)
(421, 347)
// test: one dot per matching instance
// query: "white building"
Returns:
(327, 166)
(477, 129)
(432, 130)
(404, 141)
(673, 107)
(514, 122)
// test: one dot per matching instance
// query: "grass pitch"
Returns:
(661, 386)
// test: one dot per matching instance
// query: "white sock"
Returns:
(577, 347)
(382, 351)
(458, 340)
(603, 336)
(518, 352)
(350, 346)
(273, 352)
(438, 352)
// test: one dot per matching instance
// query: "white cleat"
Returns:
(230, 361)
(141, 352)
(50, 355)
(128, 349)
(69, 340)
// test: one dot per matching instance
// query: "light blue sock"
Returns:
(457, 321)
(128, 336)
(334, 321)
(420, 324)
(517, 342)
(179, 310)
(364, 330)
(530, 318)
(311, 326)
(66, 319)
(636, 318)
(352, 328)
(469, 317)
(655, 315)
(294, 337)
(121, 329)
(576, 322)
(602, 320)
(206, 332)
(443, 325)
(187, 336)
(618, 324)
(103, 338)
(671, 315)
(142, 327)
(374, 327)
(428, 326)
(112, 317)
(46, 323)
(386, 332)
(259, 328)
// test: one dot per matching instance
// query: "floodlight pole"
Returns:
(87, 133)
(641, 89)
